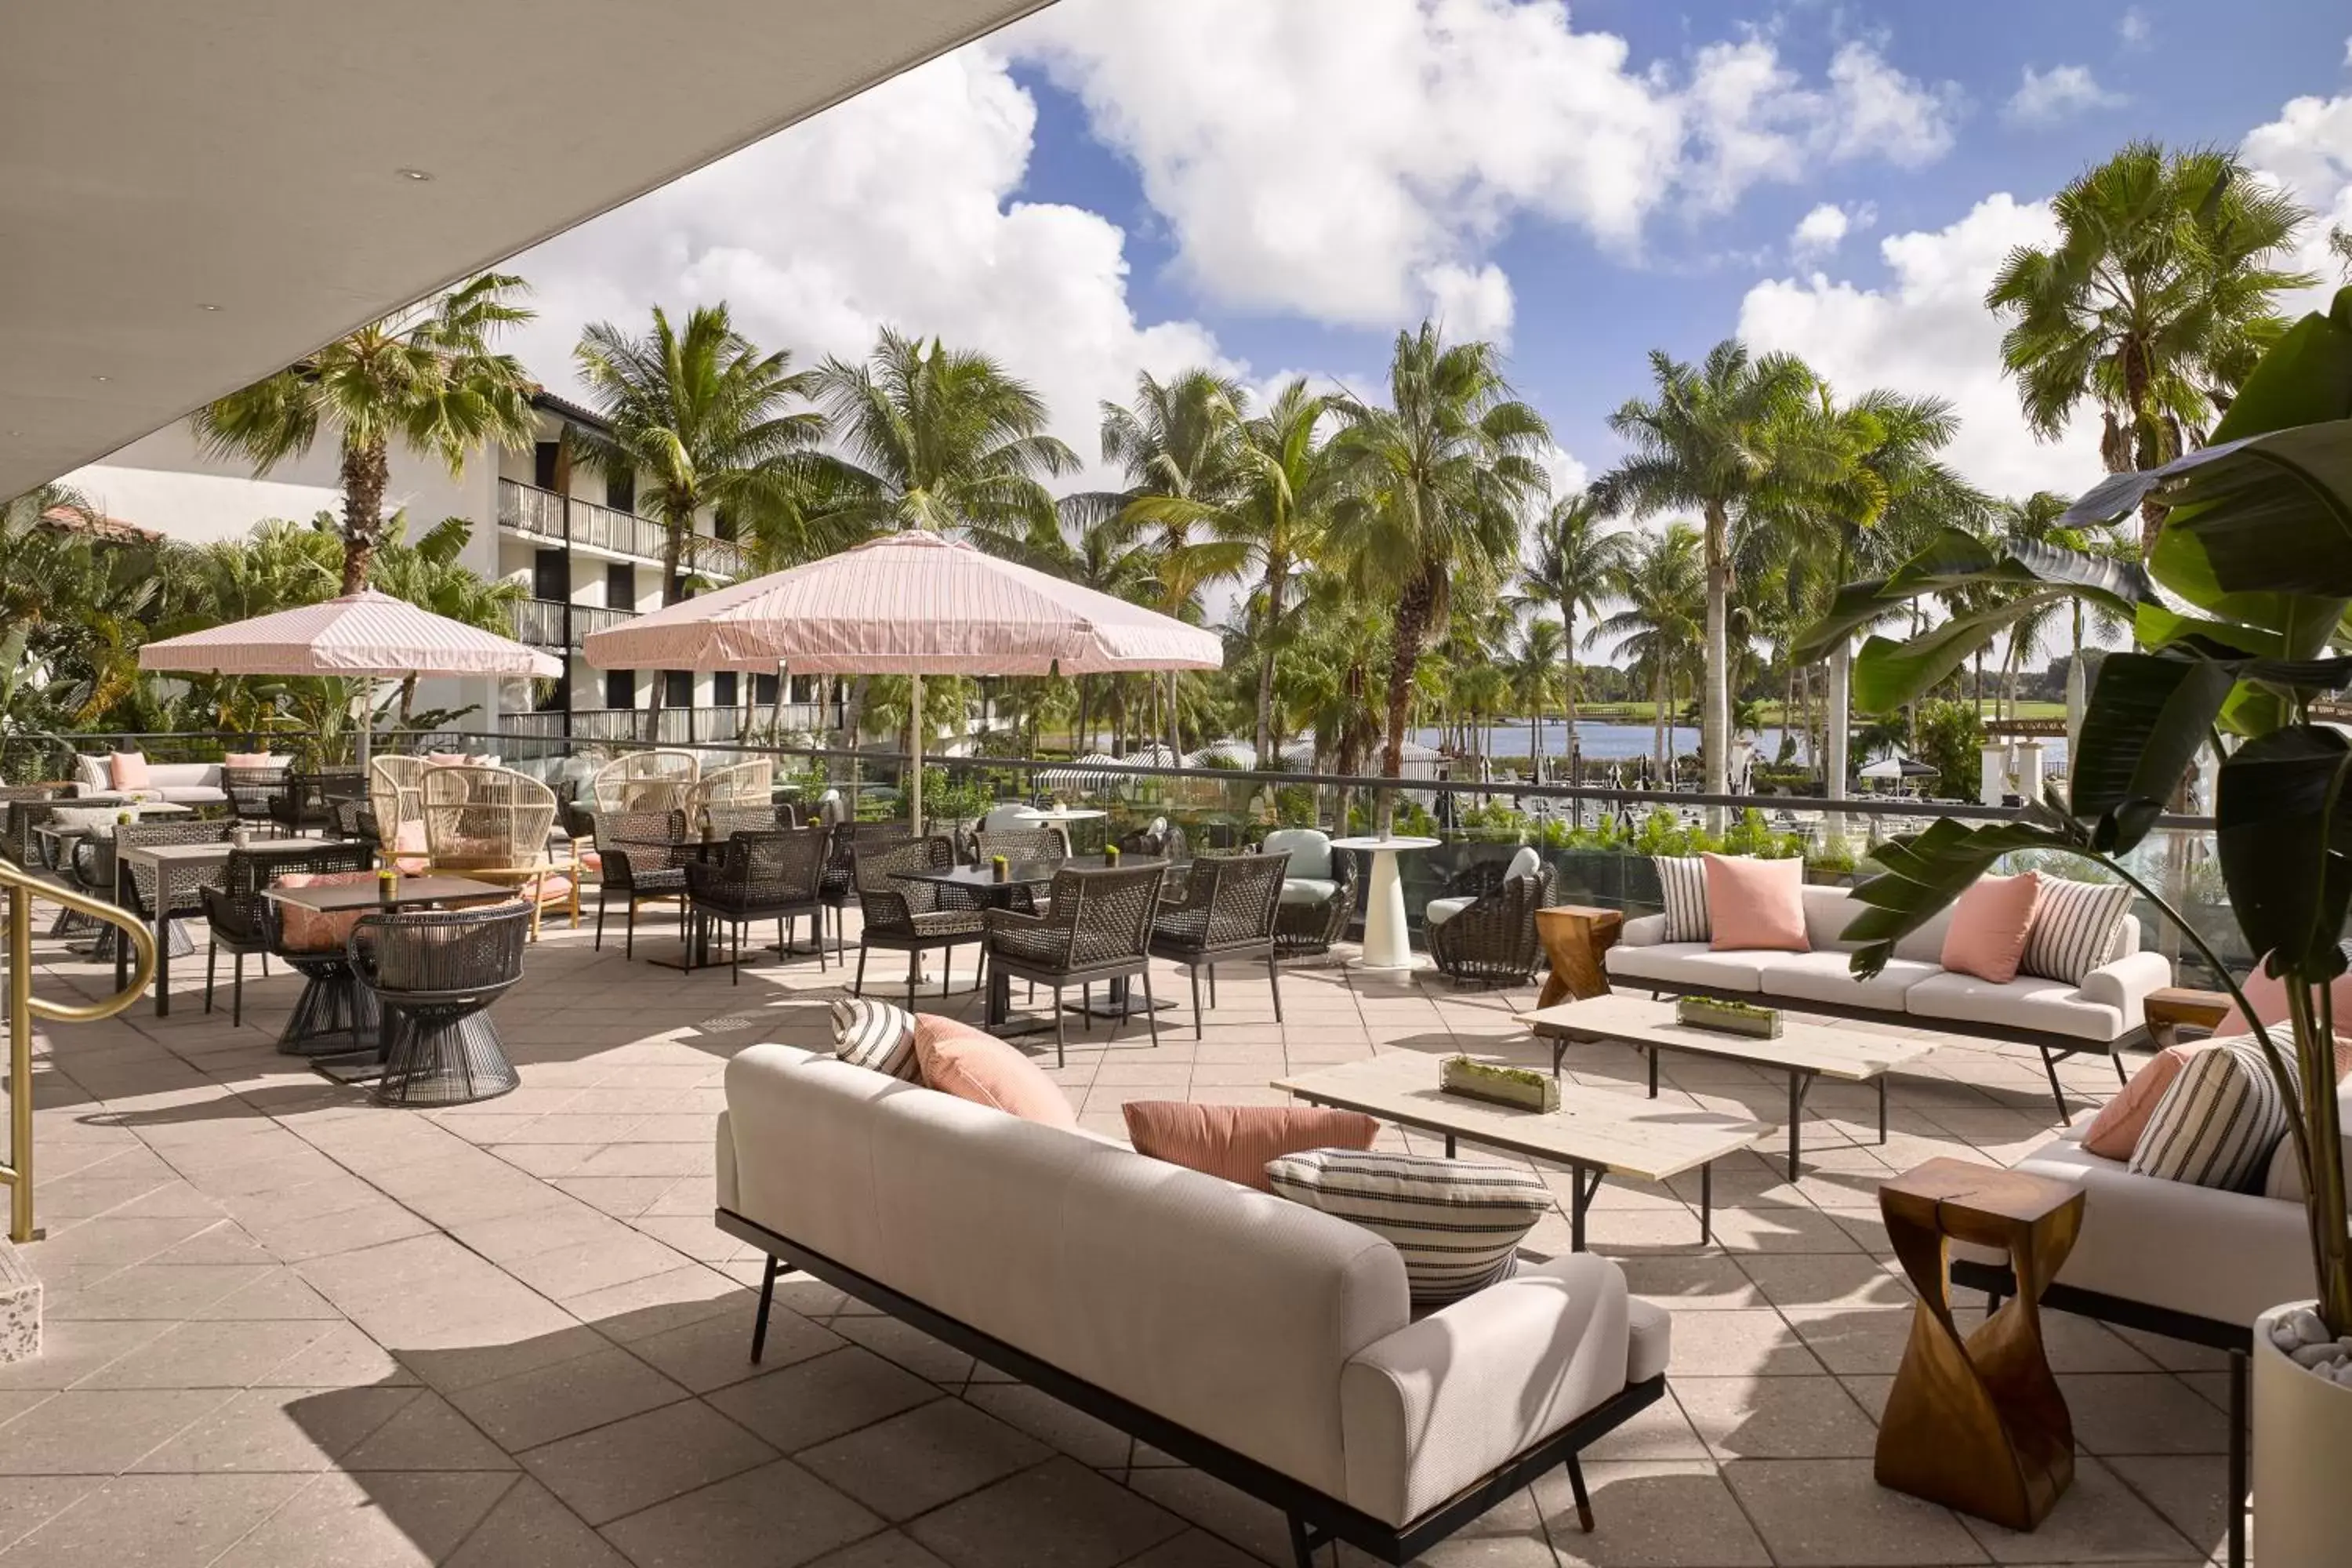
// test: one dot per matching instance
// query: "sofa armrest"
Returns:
(2127, 983)
(1647, 931)
(1434, 1406)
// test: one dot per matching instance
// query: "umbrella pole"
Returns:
(367, 719)
(915, 738)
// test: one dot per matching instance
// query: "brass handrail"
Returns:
(24, 1007)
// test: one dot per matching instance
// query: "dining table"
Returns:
(169, 863)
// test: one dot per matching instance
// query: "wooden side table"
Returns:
(1575, 937)
(1978, 1423)
(2170, 1006)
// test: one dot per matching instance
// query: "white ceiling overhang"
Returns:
(194, 194)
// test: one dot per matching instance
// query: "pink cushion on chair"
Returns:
(128, 770)
(959, 1060)
(1757, 905)
(308, 930)
(1235, 1141)
(252, 760)
(2115, 1133)
(1987, 936)
(408, 849)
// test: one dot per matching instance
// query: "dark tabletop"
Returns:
(339, 897)
(1019, 874)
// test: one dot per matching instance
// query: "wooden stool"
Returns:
(1575, 937)
(2168, 1007)
(1979, 1424)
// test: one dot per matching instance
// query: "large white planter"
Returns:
(2303, 1457)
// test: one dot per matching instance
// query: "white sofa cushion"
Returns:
(1439, 911)
(1687, 963)
(1827, 910)
(1308, 890)
(1309, 850)
(1829, 977)
(2046, 1006)
(1457, 1224)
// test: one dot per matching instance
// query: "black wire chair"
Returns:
(305, 802)
(1222, 914)
(911, 917)
(250, 791)
(433, 972)
(335, 1013)
(641, 859)
(1096, 927)
(1493, 940)
(760, 875)
(235, 912)
(726, 820)
(840, 883)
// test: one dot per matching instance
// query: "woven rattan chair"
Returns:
(659, 779)
(760, 875)
(233, 918)
(26, 806)
(748, 784)
(396, 792)
(726, 820)
(433, 972)
(840, 883)
(902, 916)
(137, 893)
(1482, 933)
(493, 823)
(1022, 847)
(1098, 927)
(250, 791)
(304, 802)
(1223, 914)
(641, 858)
(1318, 901)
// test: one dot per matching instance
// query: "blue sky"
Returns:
(1276, 186)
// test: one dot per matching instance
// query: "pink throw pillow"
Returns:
(128, 770)
(1987, 935)
(959, 1060)
(308, 930)
(410, 853)
(1757, 905)
(252, 760)
(1235, 1141)
(2269, 997)
(2115, 1133)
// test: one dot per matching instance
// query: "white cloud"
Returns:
(1470, 304)
(2307, 151)
(1823, 230)
(894, 208)
(2056, 95)
(1336, 158)
(1927, 332)
(2132, 28)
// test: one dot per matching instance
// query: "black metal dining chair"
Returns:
(642, 857)
(433, 972)
(760, 877)
(910, 917)
(1097, 927)
(250, 791)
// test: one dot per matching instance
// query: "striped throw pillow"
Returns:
(2076, 928)
(2219, 1121)
(1455, 1223)
(1683, 879)
(875, 1034)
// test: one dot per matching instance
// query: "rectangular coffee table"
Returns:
(1595, 1132)
(1807, 1049)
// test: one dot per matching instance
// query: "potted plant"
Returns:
(2255, 552)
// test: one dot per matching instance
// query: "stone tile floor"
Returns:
(286, 1327)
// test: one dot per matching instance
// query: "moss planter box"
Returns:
(1729, 1017)
(1519, 1088)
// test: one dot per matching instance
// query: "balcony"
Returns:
(541, 622)
(669, 726)
(539, 514)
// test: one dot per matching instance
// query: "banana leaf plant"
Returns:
(2240, 631)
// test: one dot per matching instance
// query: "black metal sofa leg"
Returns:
(1303, 1546)
(2050, 1066)
(1584, 1498)
(767, 1300)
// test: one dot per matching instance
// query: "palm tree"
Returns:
(2036, 518)
(705, 419)
(2154, 304)
(1728, 436)
(1434, 486)
(1110, 553)
(1534, 677)
(943, 440)
(1663, 585)
(430, 574)
(424, 377)
(1578, 551)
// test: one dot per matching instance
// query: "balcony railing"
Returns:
(539, 514)
(541, 622)
(669, 726)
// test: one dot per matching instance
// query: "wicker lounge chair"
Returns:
(1096, 927)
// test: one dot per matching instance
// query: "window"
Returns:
(722, 689)
(544, 462)
(550, 575)
(620, 688)
(620, 586)
(559, 695)
(764, 690)
(722, 525)
(621, 490)
(678, 688)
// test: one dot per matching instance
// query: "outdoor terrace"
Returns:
(288, 1326)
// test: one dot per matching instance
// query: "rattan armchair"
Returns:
(910, 917)
(1098, 927)
(641, 858)
(1319, 896)
(1022, 847)
(739, 784)
(1224, 914)
(840, 884)
(396, 792)
(658, 779)
(760, 875)
(726, 820)
(97, 864)
(493, 823)
(26, 806)
(433, 972)
(305, 802)
(1484, 932)
(250, 790)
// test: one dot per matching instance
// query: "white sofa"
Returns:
(175, 783)
(2101, 1015)
(1267, 1343)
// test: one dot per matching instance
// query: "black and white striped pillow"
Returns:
(2218, 1122)
(2076, 928)
(1455, 1223)
(1683, 881)
(871, 1034)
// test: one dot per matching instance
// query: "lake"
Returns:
(1602, 741)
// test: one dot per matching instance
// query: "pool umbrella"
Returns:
(911, 603)
(366, 633)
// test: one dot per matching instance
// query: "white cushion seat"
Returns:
(1439, 911)
(1308, 890)
(1829, 977)
(1687, 963)
(1308, 848)
(2028, 1002)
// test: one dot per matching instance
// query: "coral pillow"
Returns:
(1757, 905)
(957, 1059)
(408, 848)
(252, 760)
(1987, 935)
(2115, 1133)
(309, 930)
(128, 770)
(1236, 1141)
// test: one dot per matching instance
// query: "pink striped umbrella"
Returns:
(911, 603)
(366, 634)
